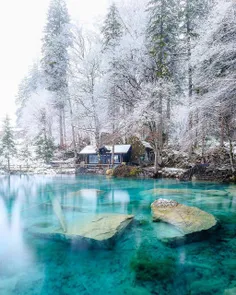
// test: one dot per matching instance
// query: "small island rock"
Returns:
(187, 219)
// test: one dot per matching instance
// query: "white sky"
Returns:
(21, 26)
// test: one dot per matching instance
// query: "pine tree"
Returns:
(45, 147)
(112, 32)
(162, 34)
(29, 85)
(193, 11)
(112, 28)
(162, 38)
(56, 41)
(25, 154)
(7, 143)
(215, 58)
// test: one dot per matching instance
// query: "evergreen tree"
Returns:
(112, 32)
(25, 154)
(45, 147)
(162, 34)
(192, 11)
(162, 38)
(7, 143)
(56, 41)
(29, 85)
(44, 142)
(112, 28)
(214, 75)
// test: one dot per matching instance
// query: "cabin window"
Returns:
(117, 158)
(93, 159)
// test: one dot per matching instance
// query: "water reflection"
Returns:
(14, 253)
(36, 263)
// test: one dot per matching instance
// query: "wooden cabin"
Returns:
(90, 155)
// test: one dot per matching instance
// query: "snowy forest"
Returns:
(162, 71)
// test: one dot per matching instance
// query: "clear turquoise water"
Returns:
(34, 265)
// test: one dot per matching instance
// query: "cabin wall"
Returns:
(106, 159)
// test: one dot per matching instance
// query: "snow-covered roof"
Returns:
(119, 149)
(89, 149)
(146, 144)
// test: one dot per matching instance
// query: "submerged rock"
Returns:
(151, 267)
(181, 191)
(166, 191)
(231, 291)
(101, 228)
(102, 231)
(88, 191)
(207, 286)
(187, 219)
(212, 192)
(232, 190)
(137, 290)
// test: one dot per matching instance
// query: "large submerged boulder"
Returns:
(190, 221)
(102, 227)
(102, 231)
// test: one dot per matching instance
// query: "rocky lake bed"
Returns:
(129, 236)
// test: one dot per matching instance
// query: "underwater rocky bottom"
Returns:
(138, 263)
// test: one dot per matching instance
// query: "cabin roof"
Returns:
(119, 149)
(146, 144)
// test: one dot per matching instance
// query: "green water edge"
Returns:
(139, 263)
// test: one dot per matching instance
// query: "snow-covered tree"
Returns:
(162, 38)
(112, 31)
(29, 85)
(8, 148)
(44, 148)
(193, 12)
(56, 41)
(31, 114)
(25, 154)
(214, 58)
(44, 142)
(86, 85)
(150, 114)
(112, 28)
(162, 34)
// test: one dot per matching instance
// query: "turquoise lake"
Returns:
(139, 263)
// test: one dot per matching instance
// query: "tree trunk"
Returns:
(196, 122)
(157, 158)
(64, 127)
(112, 154)
(61, 128)
(190, 78)
(8, 164)
(160, 142)
(155, 162)
(231, 154)
(73, 131)
(221, 131)
(203, 145)
(160, 105)
(168, 107)
(50, 127)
